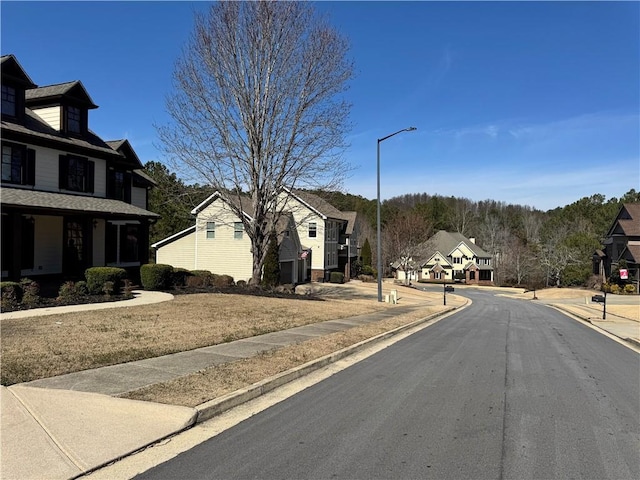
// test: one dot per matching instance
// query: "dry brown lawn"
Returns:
(41, 347)
(214, 382)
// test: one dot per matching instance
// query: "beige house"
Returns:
(70, 200)
(314, 239)
(450, 256)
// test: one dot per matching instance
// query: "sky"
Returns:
(528, 103)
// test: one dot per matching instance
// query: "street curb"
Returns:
(220, 405)
(586, 320)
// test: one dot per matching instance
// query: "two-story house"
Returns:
(622, 242)
(450, 256)
(314, 239)
(69, 199)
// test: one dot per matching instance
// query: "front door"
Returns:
(74, 259)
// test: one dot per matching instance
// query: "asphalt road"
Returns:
(504, 389)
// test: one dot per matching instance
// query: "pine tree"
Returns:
(271, 272)
(366, 254)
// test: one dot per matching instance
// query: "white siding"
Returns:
(52, 116)
(179, 253)
(47, 247)
(224, 254)
(47, 168)
(139, 197)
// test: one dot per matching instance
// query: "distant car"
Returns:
(448, 288)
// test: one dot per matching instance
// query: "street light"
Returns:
(379, 248)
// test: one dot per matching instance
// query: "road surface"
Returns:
(505, 389)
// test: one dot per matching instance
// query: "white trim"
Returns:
(164, 241)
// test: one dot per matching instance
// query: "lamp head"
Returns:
(410, 129)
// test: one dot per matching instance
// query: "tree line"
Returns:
(529, 247)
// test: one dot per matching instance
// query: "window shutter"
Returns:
(110, 183)
(30, 173)
(91, 173)
(63, 172)
(127, 187)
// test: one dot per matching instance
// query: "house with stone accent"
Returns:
(314, 239)
(450, 256)
(70, 200)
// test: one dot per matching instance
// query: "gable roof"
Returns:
(213, 197)
(350, 217)
(317, 204)
(14, 73)
(627, 221)
(447, 242)
(125, 148)
(73, 91)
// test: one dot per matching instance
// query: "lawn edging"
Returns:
(226, 402)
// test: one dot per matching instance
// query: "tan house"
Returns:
(450, 256)
(314, 239)
(70, 200)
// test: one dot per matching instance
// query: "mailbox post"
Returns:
(603, 300)
(445, 292)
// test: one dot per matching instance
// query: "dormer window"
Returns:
(8, 101)
(73, 121)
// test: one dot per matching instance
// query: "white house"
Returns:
(70, 200)
(314, 239)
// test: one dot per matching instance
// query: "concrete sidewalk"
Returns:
(63, 427)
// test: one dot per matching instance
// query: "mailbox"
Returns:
(598, 298)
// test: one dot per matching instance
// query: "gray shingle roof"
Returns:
(74, 89)
(445, 242)
(320, 205)
(350, 217)
(77, 203)
(34, 126)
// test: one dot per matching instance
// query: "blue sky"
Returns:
(531, 103)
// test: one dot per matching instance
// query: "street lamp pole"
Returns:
(379, 242)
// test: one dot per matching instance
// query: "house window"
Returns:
(8, 101)
(472, 275)
(76, 173)
(485, 275)
(73, 120)
(119, 185)
(18, 164)
(238, 228)
(457, 260)
(123, 243)
(211, 229)
(313, 229)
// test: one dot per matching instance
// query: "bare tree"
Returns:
(554, 255)
(258, 105)
(519, 260)
(404, 240)
(462, 215)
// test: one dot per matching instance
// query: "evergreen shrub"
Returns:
(336, 277)
(156, 276)
(98, 276)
